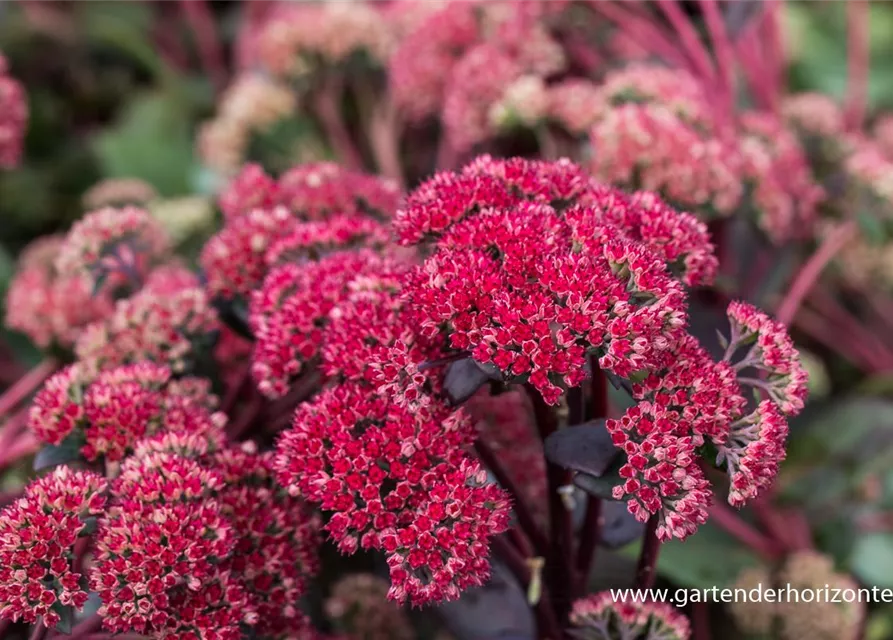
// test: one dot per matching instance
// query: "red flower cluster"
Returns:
(694, 399)
(118, 245)
(49, 306)
(13, 117)
(289, 314)
(396, 480)
(538, 315)
(110, 412)
(600, 617)
(312, 208)
(37, 537)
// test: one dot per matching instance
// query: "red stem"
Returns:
(327, 105)
(644, 31)
(691, 42)
(858, 61)
(817, 327)
(384, 140)
(725, 56)
(775, 62)
(26, 385)
(852, 327)
(204, 30)
(700, 621)
(560, 560)
(250, 25)
(812, 269)
(646, 569)
(522, 510)
(734, 525)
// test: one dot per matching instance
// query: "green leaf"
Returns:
(872, 559)
(151, 140)
(708, 558)
(53, 455)
(66, 617)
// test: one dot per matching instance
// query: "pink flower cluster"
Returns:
(168, 322)
(270, 220)
(37, 538)
(600, 617)
(695, 399)
(483, 65)
(13, 117)
(396, 480)
(538, 315)
(111, 411)
(120, 245)
(198, 542)
(49, 306)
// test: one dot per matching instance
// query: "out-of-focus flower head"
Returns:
(252, 104)
(396, 480)
(277, 540)
(298, 40)
(600, 617)
(313, 240)
(783, 192)
(506, 425)
(289, 312)
(37, 537)
(159, 549)
(359, 607)
(119, 192)
(110, 412)
(118, 246)
(870, 171)
(575, 104)
(233, 259)
(317, 190)
(794, 620)
(883, 134)
(170, 321)
(184, 218)
(13, 117)
(675, 89)
(50, 307)
(814, 114)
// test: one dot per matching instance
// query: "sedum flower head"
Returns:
(599, 617)
(37, 536)
(121, 244)
(398, 480)
(13, 117)
(359, 606)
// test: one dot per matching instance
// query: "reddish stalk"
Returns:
(809, 273)
(643, 31)
(774, 60)
(725, 56)
(232, 394)
(245, 421)
(753, 66)
(646, 569)
(327, 106)
(250, 24)
(858, 13)
(851, 326)
(522, 511)
(734, 525)
(545, 617)
(24, 446)
(384, 140)
(201, 21)
(560, 560)
(691, 42)
(88, 626)
(817, 328)
(700, 621)
(26, 385)
(40, 631)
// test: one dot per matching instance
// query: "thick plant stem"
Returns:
(858, 61)
(559, 562)
(201, 21)
(590, 534)
(522, 510)
(85, 628)
(546, 621)
(812, 269)
(327, 106)
(646, 570)
(26, 385)
(40, 631)
(731, 523)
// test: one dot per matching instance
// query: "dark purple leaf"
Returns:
(619, 527)
(586, 448)
(52, 455)
(464, 377)
(499, 609)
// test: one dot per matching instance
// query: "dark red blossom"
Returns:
(37, 537)
(396, 480)
(251, 189)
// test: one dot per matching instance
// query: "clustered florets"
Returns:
(399, 481)
(37, 538)
(13, 117)
(109, 412)
(600, 617)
